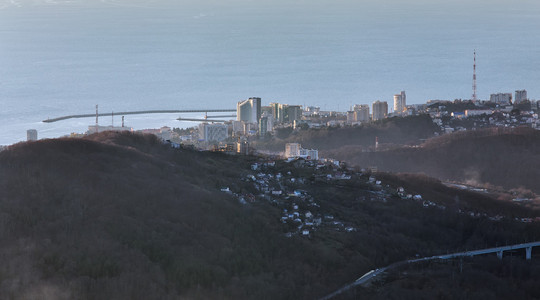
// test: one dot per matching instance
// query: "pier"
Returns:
(202, 120)
(140, 112)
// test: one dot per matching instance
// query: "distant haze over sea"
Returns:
(64, 57)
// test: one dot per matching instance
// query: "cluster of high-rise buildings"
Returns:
(254, 119)
(360, 112)
(251, 119)
(506, 98)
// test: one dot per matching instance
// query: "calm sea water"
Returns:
(64, 57)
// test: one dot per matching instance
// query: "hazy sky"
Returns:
(297, 51)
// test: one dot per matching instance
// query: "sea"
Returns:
(64, 57)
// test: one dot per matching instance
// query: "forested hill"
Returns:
(124, 216)
(504, 158)
(408, 130)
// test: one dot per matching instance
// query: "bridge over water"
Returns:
(498, 250)
(139, 112)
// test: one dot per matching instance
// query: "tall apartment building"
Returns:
(400, 103)
(213, 132)
(292, 150)
(380, 110)
(242, 146)
(263, 126)
(312, 154)
(31, 135)
(361, 112)
(275, 111)
(237, 127)
(266, 123)
(285, 112)
(521, 95)
(249, 110)
(501, 98)
(293, 112)
(351, 116)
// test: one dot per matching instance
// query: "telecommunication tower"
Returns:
(474, 98)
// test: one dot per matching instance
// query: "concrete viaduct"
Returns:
(498, 250)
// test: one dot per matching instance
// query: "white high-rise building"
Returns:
(249, 110)
(400, 103)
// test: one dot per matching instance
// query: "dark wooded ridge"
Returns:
(121, 215)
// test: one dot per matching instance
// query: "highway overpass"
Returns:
(498, 250)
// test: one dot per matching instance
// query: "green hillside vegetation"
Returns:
(502, 158)
(408, 130)
(123, 216)
(455, 106)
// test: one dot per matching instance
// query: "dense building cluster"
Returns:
(255, 121)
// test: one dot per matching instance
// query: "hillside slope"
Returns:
(121, 215)
(408, 130)
(508, 159)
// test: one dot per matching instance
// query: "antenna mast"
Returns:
(474, 98)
